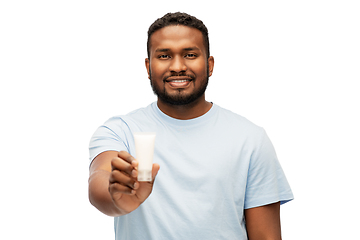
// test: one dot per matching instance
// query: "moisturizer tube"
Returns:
(144, 150)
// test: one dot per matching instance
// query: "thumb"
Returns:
(155, 170)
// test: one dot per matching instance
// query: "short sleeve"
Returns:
(111, 136)
(266, 181)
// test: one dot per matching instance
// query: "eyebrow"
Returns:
(168, 49)
(162, 50)
(192, 49)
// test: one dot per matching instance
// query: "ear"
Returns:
(211, 65)
(147, 65)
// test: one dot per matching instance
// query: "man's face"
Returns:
(178, 67)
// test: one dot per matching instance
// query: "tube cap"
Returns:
(144, 176)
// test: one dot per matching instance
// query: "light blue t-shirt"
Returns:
(211, 169)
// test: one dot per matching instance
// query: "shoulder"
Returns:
(133, 116)
(137, 120)
(238, 122)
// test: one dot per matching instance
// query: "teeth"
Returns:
(179, 81)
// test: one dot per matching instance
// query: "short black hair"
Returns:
(179, 18)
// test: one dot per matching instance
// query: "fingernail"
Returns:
(133, 173)
(134, 164)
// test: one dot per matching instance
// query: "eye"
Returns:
(163, 56)
(190, 55)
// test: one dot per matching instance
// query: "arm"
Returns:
(113, 186)
(263, 223)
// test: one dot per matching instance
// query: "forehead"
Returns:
(176, 37)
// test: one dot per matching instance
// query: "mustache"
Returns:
(179, 75)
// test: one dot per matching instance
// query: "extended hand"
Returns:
(126, 192)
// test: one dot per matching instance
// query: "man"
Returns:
(219, 177)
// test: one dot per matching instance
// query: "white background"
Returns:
(291, 67)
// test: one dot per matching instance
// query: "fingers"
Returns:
(117, 188)
(118, 177)
(123, 166)
(123, 175)
(128, 158)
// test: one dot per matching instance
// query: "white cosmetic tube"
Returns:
(144, 150)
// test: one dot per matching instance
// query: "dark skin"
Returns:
(263, 223)
(179, 49)
(113, 185)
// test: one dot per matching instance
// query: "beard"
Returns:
(180, 98)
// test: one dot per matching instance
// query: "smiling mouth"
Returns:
(178, 83)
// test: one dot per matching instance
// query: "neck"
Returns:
(185, 112)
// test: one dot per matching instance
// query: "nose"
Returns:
(178, 64)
